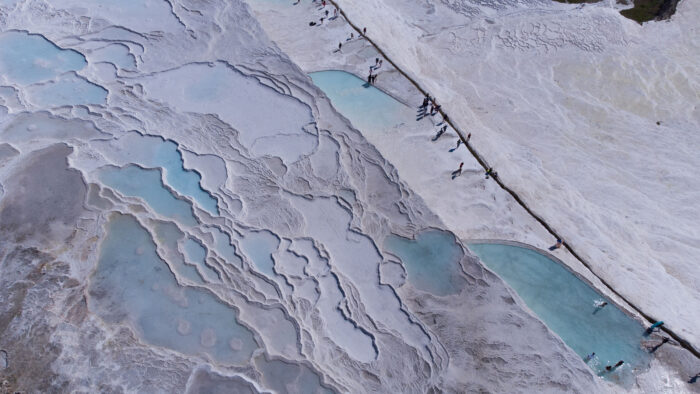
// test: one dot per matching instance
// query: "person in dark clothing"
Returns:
(556, 245)
(458, 171)
(440, 133)
(655, 348)
(455, 148)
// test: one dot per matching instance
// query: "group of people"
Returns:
(372, 77)
(432, 108)
(608, 368)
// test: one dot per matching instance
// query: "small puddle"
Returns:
(259, 247)
(567, 305)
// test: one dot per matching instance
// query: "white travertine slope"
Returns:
(151, 243)
(563, 101)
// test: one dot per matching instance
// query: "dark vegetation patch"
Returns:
(643, 10)
(648, 10)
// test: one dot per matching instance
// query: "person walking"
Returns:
(340, 46)
(468, 137)
(556, 245)
(455, 148)
(440, 133)
(653, 326)
(458, 171)
(364, 31)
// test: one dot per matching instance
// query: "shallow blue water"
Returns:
(431, 260)
(259, 246)
(133, 284)
(146, 184)
(566, 304)
(184, 181)
(155, 152)
(367, 107)
(26, 59)
(67, 90)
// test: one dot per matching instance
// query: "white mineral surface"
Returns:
(182, 210)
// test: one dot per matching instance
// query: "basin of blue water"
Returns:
(155, 152)
(146, 184)
(68, 89)
(259, 246)
(566, 304)
(26, 58)
(133, 285)
(49, 71)
(367, 107)
(431, 260)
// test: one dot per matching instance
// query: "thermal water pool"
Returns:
(566, 305)
(132, 284)
(46, 70)
(367, 107)
(431, 260)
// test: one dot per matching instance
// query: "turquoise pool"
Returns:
(431, 260)
(567, 305)
(367, 107)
